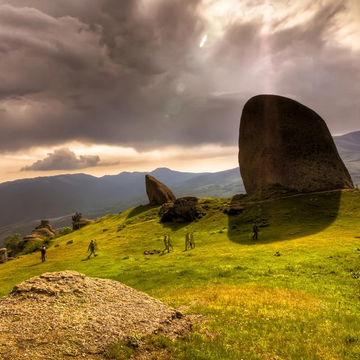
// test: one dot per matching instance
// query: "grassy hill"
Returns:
(303, 304)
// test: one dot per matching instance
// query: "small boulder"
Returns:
(157, 192)
(3, 256)
(185, 209)
(235, 209)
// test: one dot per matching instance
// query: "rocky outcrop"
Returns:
(185, 209)
(45, 224)
(3, 256)
(234, 208)
(42, 231)
(157, 192)
(79, 222)
(42, 315)
(284, 142)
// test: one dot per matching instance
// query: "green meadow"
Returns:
(302, 304)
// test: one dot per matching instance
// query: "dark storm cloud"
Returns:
(65, 159)
(134, 75)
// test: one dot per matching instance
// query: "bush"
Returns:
(32, 246)
(14, 244)
(65, 231)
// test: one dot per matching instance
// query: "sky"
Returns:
(105, 86)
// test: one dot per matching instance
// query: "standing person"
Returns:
(43, 253)
(192, 241)
(256, 231)
(189, 241)
(168, 244)
(91, 248)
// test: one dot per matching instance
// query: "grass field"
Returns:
(303, 304)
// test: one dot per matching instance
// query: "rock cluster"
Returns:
(79, 222)
(284, 142)
(157, 192)
(3, 255)
(185, 209)
(42, 231)
(65, 314)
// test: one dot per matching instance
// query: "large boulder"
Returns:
(157, 192)
(284, 142)
(185, 209)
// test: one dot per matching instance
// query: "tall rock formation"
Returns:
(284, 142)
(157, 192)
(42, 231)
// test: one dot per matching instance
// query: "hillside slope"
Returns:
(302, 303)
(23, 203)
(349, 149)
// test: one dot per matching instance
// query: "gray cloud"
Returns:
(134, 75)
(65, 159)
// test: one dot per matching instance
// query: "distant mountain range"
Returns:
(349, 149)
(23, 203)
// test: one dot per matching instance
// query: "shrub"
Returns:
(65, 231)
(32, 246)
(14, 244)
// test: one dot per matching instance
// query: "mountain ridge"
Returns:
(56, 197)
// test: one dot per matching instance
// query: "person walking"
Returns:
(91, 248)
(168, 244)
(256, 231)
(43, 253)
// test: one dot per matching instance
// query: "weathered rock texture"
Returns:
(66, 315)
(3, 256)
(284, 142)
(185, 209)
(42, 231)
(157, 192)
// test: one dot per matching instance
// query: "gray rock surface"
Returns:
(284, 142)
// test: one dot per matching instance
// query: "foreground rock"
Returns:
(185, 209)
(284, 142)
(64, 314)
(157, 192)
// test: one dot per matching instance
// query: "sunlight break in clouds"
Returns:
(135, 76)
(203, 41)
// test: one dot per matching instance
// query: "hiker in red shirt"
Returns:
(43, 253)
